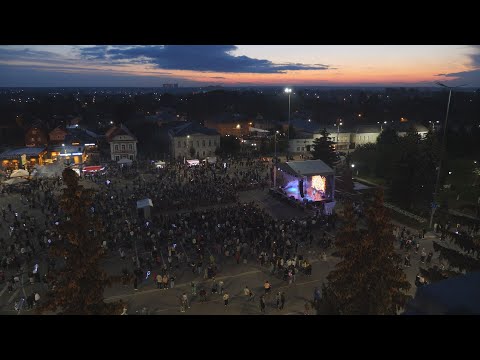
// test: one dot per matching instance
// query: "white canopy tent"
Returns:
(160, 164)
(125, 161)
(19, 173)
(14, 181)
(193, 162)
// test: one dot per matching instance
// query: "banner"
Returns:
(329, 207)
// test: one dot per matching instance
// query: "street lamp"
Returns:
(288, 91)
(442, 148)
(339, 123)
(275, 163)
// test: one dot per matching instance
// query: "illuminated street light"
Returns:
(442, 148)
(353, 165)
(288, 91)
(275, 162)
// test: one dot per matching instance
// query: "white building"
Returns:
(123, 144)
(202, 140)
(345, 139)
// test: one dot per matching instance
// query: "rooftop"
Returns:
(191, 128)
(306, 168)
(17, 152)
(116, 131)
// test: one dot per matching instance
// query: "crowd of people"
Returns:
(27, 230)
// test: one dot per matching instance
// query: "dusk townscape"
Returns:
(239, 180)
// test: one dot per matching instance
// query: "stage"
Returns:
(310, 180)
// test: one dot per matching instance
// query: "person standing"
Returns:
(220, 286)
(135, 283)
(307, 308)
(185, 300)
(247, 292)
(262, 304)
(267, 287)
(226, 297)
(282, 300)
(159, 281)
(278, 297)
(203, 295)
(172, 281)
(193, 286)
(423, 255)
(316, 296)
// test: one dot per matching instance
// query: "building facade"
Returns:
(123, 144)
(192, 140)
(346, 139)
(36, 137)
(57, 135)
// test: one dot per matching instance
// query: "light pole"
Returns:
(288, 91)
(381, 126)
(275, 163)
(442, 148)
(339, 123)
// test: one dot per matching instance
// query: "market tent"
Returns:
(125, 161)
(15, 181)
(19, 173)
(93, 168)
(193, 162)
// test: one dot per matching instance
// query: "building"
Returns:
(230, 124)
(20, 158)
(72, 140)
(192, 140)
(344, 138)
(123, 144)
(57, 135)
(36, 137)
(70, 154)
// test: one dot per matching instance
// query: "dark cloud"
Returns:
(470, 77)
(40, 76)
(26, 54)
(217, 77)
(206, 58)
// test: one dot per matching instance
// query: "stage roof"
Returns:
(306, 168)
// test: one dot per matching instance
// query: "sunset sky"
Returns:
(241, 65)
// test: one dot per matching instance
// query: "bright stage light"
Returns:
(319, 183)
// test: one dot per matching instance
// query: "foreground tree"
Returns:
(369, 279)
(79, 282)
(323, 149)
